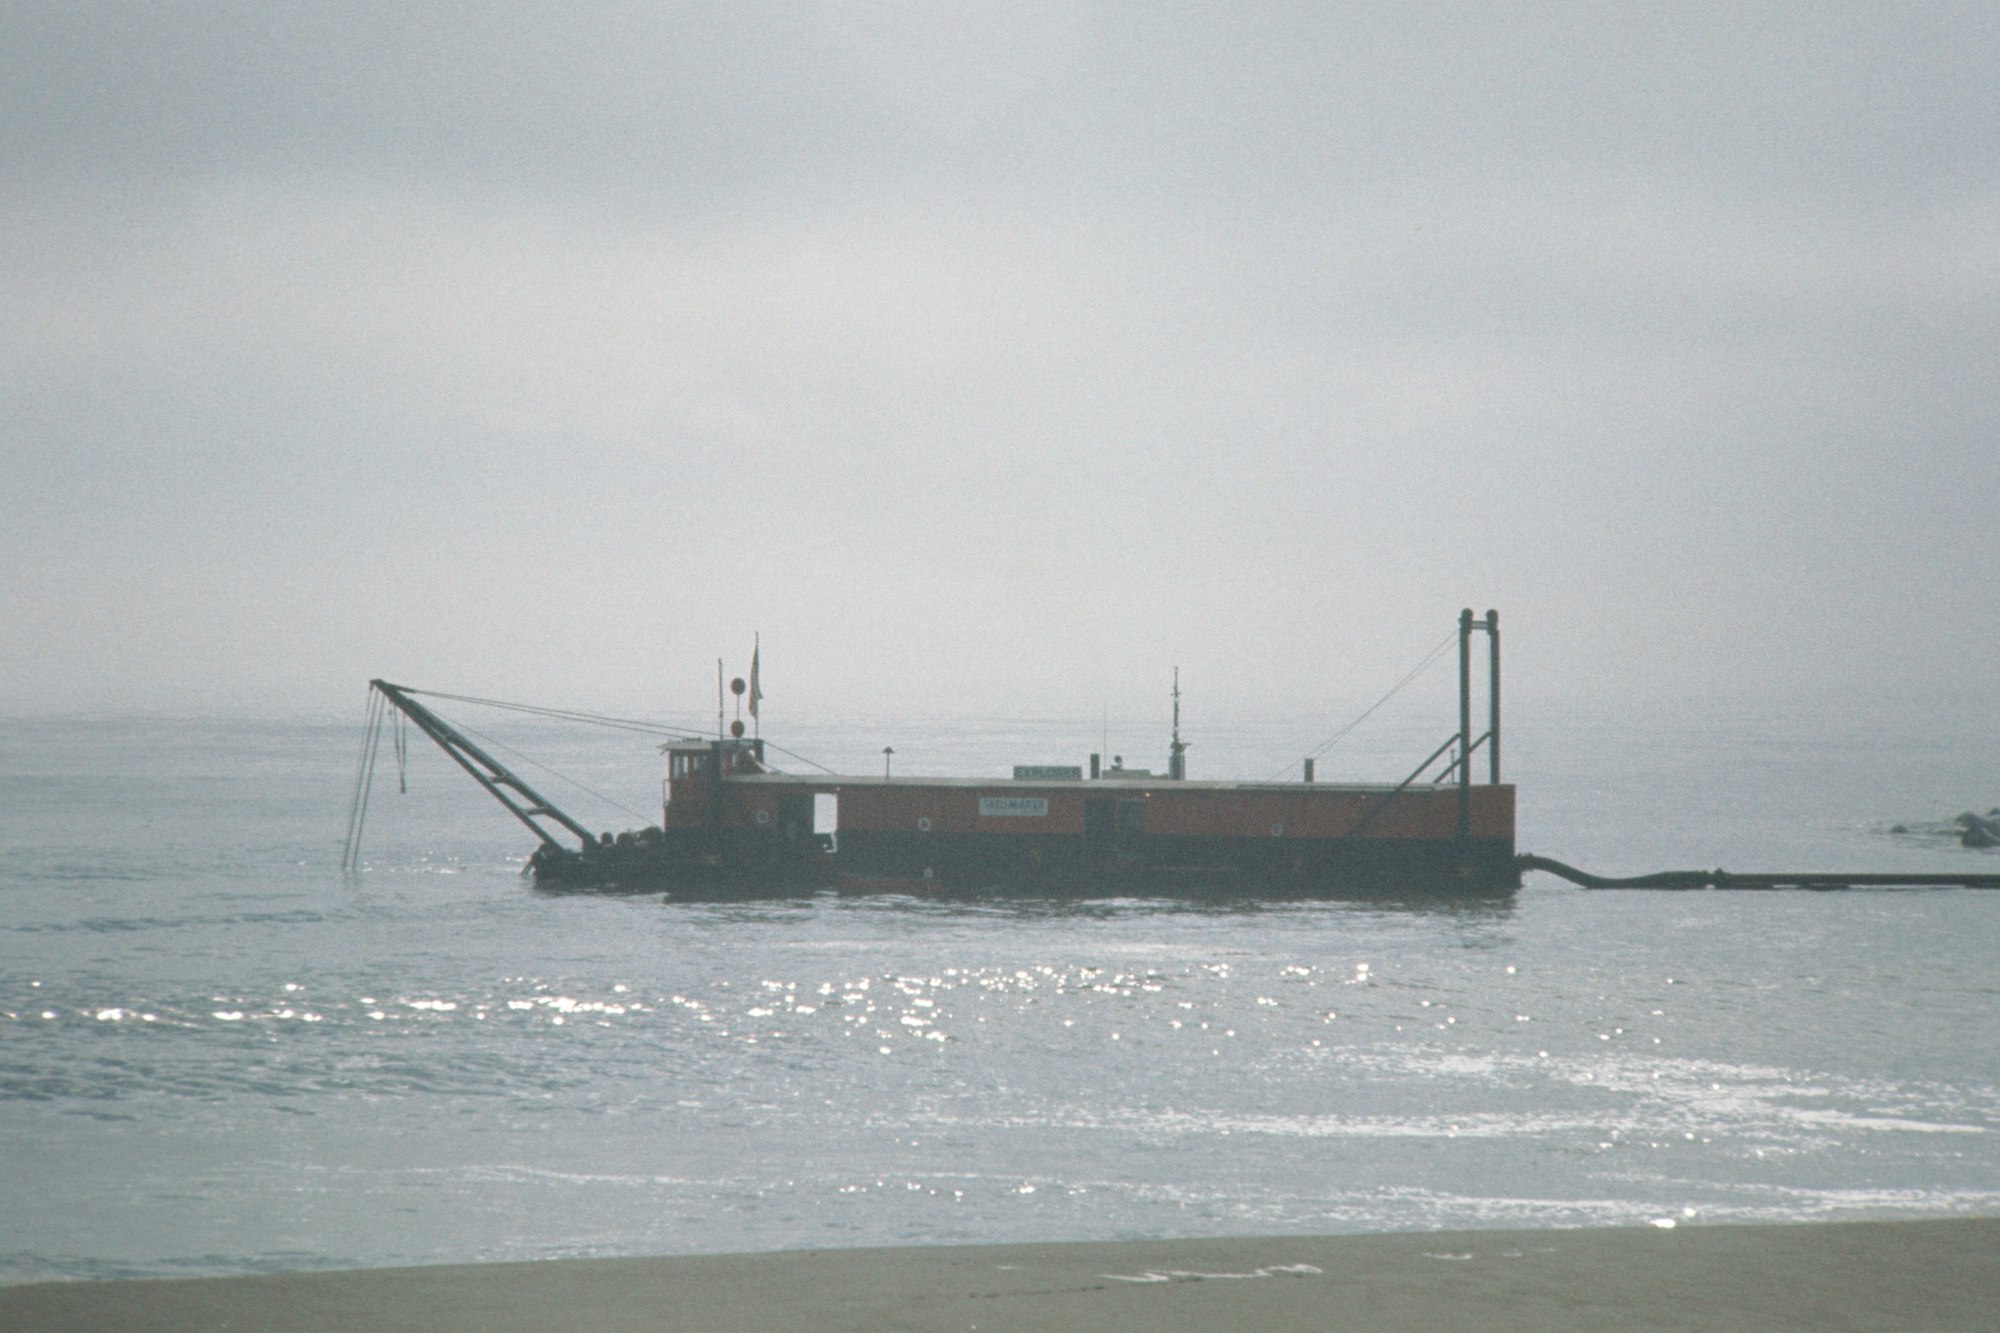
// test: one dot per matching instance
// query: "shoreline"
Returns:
(1924, 1273)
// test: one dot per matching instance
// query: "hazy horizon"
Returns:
(996, 362)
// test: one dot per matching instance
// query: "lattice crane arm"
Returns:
(522, 801)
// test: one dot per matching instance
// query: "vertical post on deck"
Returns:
(1493, 709)
(1464, 722)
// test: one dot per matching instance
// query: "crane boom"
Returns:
(522, 801)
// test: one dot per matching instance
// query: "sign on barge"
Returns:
(734, 827)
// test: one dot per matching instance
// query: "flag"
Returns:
(756, 693)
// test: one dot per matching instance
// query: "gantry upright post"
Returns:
(1465, 722)
(1493, 707)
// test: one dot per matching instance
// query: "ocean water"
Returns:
(221, 1054)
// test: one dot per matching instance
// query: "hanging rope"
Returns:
(364, 779)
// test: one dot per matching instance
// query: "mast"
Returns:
(1177, 749)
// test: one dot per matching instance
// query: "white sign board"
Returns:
(1030, 807)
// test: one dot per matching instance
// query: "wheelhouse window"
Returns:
(684, 762)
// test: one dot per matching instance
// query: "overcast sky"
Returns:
(994, 360)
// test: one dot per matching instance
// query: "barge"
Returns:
(733, 826)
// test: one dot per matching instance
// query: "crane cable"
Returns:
(559, 776)
(364, 780)
(568, 715)
(616, 723)
(1430, 659)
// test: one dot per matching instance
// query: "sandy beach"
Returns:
(1901, 1275)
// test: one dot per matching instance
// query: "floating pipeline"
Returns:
(1723, 879)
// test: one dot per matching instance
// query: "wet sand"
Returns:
(1907, 1275)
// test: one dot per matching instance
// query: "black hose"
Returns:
(1723, 879)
